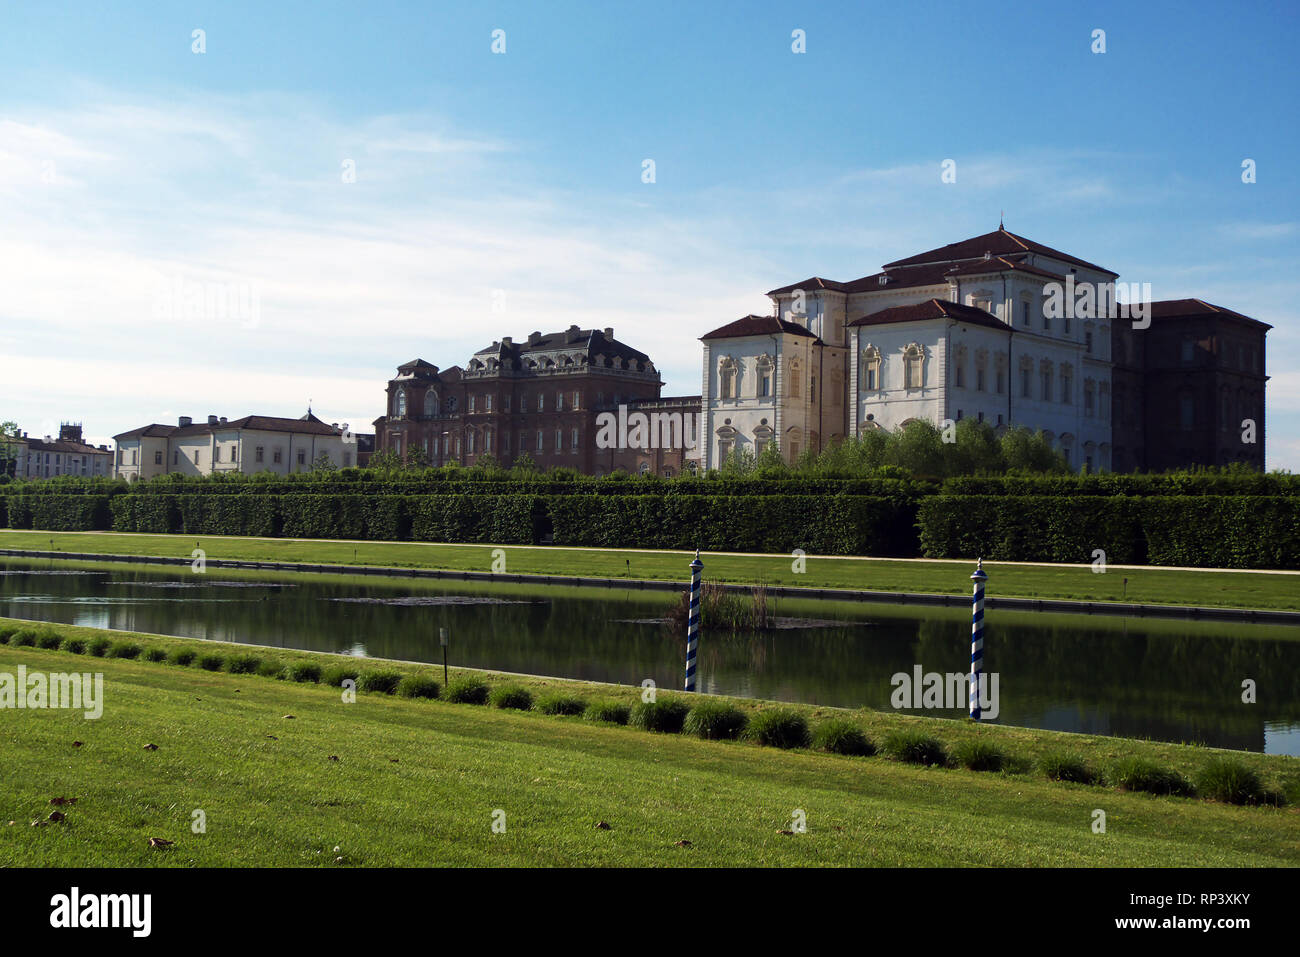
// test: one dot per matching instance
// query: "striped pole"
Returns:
(977, 639)
(693, 622)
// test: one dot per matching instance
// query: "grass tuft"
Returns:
(1231, 782)
(49, 640)
(842, 736)
(715, 721)
(666, 717)
(611, 712)
(779, 728)
(150, 654)
(556, 702)
(1064, 766)
(243, 664)
(211, 662)
(512, 697)
(466, 690)
(1139, 774)
(181, 656)
(305, 672)
(915, 747)
(977, 754)
(98, 647)
(335, 675)
(379, 681)
(417, 686)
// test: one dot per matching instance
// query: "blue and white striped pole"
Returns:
(693, 622)
(977, 639)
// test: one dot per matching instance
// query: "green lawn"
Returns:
(1264, 590)
(416, 782)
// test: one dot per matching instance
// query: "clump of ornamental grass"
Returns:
(211, 662)
(125, 649)
(181, 656)
(152, 654)
(1064, 766)
(1139, 774)
(1232, 782)
(418, 686)
(379, 681)
(977, 754)
(75, 645)
(6, 632)
(271, 668)
(49, 640)
(666, 717)
(715, 721)
(243, 664)
(842, 736)
(779, 728)
(466, 690)
(610, 712)
(24, 639)
(305, 672)
(335, 675)
(98, 647)
(915, 747)
(557, 702)
(512, 697)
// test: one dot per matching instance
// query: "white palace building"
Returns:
(967, 329)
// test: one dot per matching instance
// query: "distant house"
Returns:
(49, 457)
(255, 443)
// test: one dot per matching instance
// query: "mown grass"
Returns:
(1150, 585)
(393, 780)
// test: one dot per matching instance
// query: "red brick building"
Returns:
(541, 397)
(1188, 390)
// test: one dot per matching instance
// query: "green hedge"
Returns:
(1218, 531)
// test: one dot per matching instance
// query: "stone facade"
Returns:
(989, 327)
(255, 443)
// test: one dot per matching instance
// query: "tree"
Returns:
(385, 460)
(8, 448)
(324, 463)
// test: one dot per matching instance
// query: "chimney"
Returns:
(507, 341)
(223, 420)
(609, 333)
(534, 338)
(184, 420)
(212, 420)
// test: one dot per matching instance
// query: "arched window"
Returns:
(399, 403)
(727, 378)
(914, 366)
(871, 369)
(1045, 375)
(1067, 384)
(796, 378)
(430, 403)
(764, 384)
(959, 367)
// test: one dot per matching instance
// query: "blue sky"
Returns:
(498, 194)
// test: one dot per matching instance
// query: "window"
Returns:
(196, 456)
(1067, 386)
(727, 378)
(276, 455)
(1089, 397)
(487, 440)
(523, 403)
(573, 440)
(399, 403)
(1002, 381)
(979, 380)
(1046, 376)
(302, 457)
(576, 404)
(764, 381)
(1024, 312)
(1188, 350)
(1087, 342)
(871, 369)
(541, 402)
(914, 366)
(470, 443)
(959, 372)
(559, 440)
(430, 403)
(539, 440)
(1024, 382)
(234, 453)
(472, 399)
(507, 403)
(724, 449)
(796, 379)
(812, 389)
(1047, 322)
(258, 454)
(559, 402)
(157, 456)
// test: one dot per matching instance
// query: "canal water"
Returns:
(1169, 680)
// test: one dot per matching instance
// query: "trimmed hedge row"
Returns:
(1219, 531)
